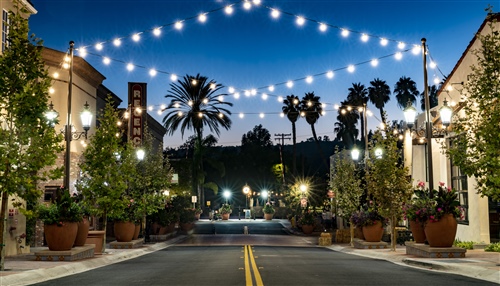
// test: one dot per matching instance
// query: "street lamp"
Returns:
(265, 195)
(227, 195)
(247, 192)
(429, 131)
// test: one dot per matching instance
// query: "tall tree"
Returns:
(475, 149)
(291, 108)
(379, 94)
(107, 168)
(29, 141)
(312, 109)
(195, 103)
(345, 127)
(358, 97)
(433, 99)
(406, 91)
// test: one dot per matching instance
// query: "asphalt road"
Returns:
(258, 265)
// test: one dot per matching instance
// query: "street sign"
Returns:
(194, 199)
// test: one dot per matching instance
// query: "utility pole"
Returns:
(282, 137)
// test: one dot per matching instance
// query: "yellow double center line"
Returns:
(250, 260)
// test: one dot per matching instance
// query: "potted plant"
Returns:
(60, 219)
(443, 211)
(125, 217)
(186, 219)
(268, 211)
(416, 212)
(197, 213)
(307, 220)
(225, 211)
(372, 223)
(357, 220)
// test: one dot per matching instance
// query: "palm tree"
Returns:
(433, 100)
(194, 104)
(291, 109)
(406, 91)
(345, 127)
(358, 96)
(379, 94)
(311, 109)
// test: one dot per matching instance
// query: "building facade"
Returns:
(481, 223)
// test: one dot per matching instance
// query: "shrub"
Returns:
(494, 247)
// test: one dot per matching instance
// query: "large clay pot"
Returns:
(268, 216)
(307, 228)
(124, 231)
(374, 232)
(358, 232)
(186, 226)
(441, 233)
(417, 230)
(225, 216)
(60, 238)
(137, 230)
(83, 230)
(163, 230)
(171, 227)
(96, 237)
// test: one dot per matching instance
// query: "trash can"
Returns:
(248, 214)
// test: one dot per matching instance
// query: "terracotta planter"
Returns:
(417, 230)
(373, 233)
(96, 237)
(441, 233)
(197, 216)
(171, 227)
(124, 231)
(83, 230)
(187, 226)
(60, 238)
(163, 230)
(358, 232)
(307, 228)
(225, 216)
(268, 216)
(137, 230)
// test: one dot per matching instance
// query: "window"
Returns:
(459, 183)
(5, 29)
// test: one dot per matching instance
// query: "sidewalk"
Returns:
(23, 269)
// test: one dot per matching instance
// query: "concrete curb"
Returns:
(40, 275)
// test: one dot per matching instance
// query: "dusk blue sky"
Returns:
(251, 49)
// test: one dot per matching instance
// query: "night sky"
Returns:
(249, 49)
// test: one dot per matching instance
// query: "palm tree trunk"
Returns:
(382, 115)
(319, 146)
(363, 128)
(294, 161)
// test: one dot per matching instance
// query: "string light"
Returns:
(152, 72)
(229, 9)
(329, 74)
(383, 42)
(247, 5)
(309, 79)
(230, 89)
(178, 25)
(136, 37)
(106, 61)
(275, 13)
(157, 32)
(173, 77)
(351, 68)
(374, 62)
(289, 84)
(271, 88)
(202, 18)
(130, 67)
(322, 27)
(398, 55)
(344, 33)
(300, 21)
(117, 42)
(364, 37)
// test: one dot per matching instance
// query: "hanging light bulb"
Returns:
(364, 37)
(228, 10)
(300, 20)
(329, 74)
(261, 115)
(280, 98)
(136, 37)
(383, 42)
(344, 32)
(264, 96)
(117, 42)
(130, 67)
(98, 46)
(351, 68)
(401, 45)
(82, 52)
(398, 56)
(178, 25)
(157, 31)
(236, 95)
(271, 88)
(415, 50)
(173, 77)
(106, 60)
(231, 89)
(247, 5)
(289, 84)
(202, 18)
(220, 98)
(374, 62)
(275, 13)
(432, 65)
(322, 27)
(309, 79)
(241, 115)
(152, 72)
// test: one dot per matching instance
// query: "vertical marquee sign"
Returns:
(137, 96)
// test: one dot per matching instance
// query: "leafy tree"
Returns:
(433, 99)
(153, 176)
(345, 183)
(405, 90)
(379, 94)
(291, 108)
(386, 178)
(475, 149)
(195, 104)
(107, 168)
(258, 137)
(29, 142)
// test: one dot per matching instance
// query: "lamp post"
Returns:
(69, 134)
(445, 113)
(246, 191)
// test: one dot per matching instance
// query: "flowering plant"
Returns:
(424, 207)
(268, 209)
(225, 209)
(308, 218)
(369, 215)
